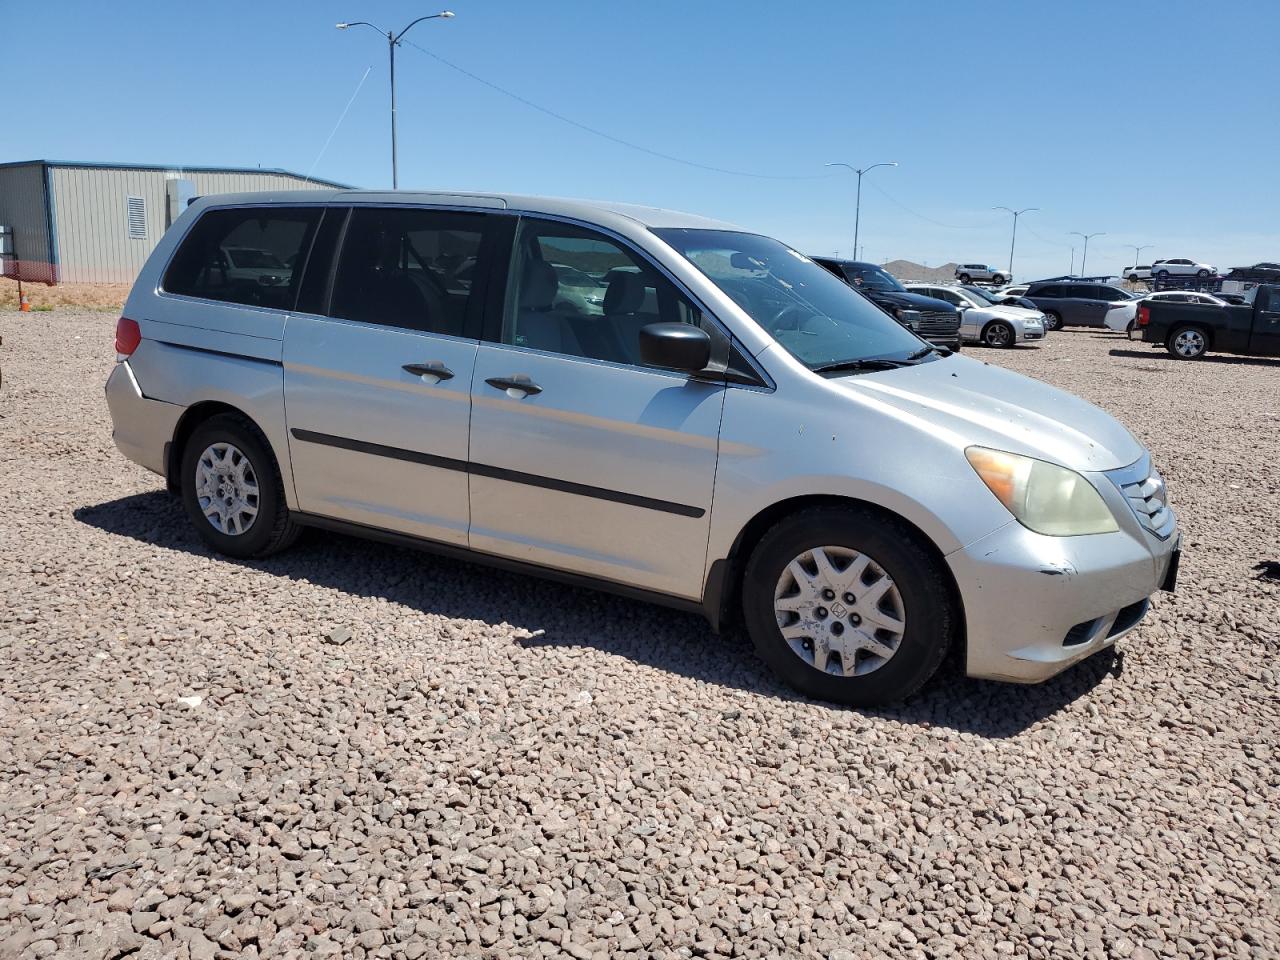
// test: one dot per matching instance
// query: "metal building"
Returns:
(76, 222)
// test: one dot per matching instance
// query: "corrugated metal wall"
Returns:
(91, 214)
(22, 208)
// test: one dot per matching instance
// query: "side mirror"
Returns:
(675, 346)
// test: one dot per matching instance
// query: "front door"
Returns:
(377, 390)
(1266, 324)
(583, 459)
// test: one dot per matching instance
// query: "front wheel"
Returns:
(232, 489)
(998, 279)
(847, 606)
(1202, 274)
(998, 334)
(1187, 343)
(1052, 320)
(965, 278)
(1162, 274)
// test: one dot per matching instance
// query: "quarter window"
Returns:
(409, 268)
(576, 292)
(239, 255)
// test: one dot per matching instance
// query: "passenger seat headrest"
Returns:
(625, 293)
(539, 285)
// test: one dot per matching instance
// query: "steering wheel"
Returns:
(801, 313)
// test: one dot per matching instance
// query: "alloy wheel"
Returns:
(1189, 343)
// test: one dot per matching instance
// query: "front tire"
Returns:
(848, 606)
(998, 279)
(998, 334)
(965, 278)
(1162, 274)
(1052, 320)
(1187, 343)
(232, 490)
(1202, 274)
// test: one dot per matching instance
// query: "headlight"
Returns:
(908, 318)
(1043, 497)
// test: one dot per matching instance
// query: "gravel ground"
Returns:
(196, 760)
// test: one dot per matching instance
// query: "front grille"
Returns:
(1144, 489)
(938, 322)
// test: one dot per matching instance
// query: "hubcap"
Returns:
(227, 489)
(854, 635)
(1189, 343)
(998, 336)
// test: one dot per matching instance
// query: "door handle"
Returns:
(431, 373)
(517, 387)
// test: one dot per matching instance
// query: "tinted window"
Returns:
(410, 268)
(577, 292)
(1111, 294)
(314, 287)
(1052, 292)
(249, 256)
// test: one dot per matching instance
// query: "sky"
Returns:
(1152, 123)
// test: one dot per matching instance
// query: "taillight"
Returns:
(128, 336)
(1144, 315)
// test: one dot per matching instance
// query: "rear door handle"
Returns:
(517, 387)
(431, 373)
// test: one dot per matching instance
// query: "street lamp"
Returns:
(1084, 256)
(1137, 251)
(1016, 215)
(857, 210)
(393, 40)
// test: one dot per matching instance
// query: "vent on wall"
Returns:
(137, 208)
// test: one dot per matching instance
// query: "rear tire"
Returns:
(894, 616)
(1187, 342)
(1052, 320)
(998, 334)
(1162, 274)
(1128, 331)
(232, 490)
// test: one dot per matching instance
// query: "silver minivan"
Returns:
(657, 404)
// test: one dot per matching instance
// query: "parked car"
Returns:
(983, 319)
(935, 320)
(969, 272)
(1068, 303)
(1136, 273)
(738, 432)
(1190, 330)
(1163, 269)
(1013, 290)
(1124, 320)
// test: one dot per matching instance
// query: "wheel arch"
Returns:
(724, 584)
(190, 420)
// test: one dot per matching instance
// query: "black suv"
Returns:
(1073, 303)
(935, 320)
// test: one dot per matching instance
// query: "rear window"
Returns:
(249, 256)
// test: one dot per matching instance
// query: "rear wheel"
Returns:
(232, 490)
(1187, 343)
(1162, 274)
(1052, 320)
(846, 605)
(1128, 331)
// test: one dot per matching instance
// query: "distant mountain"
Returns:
(908, 270)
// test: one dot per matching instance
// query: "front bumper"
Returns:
(141, 427)
(1034, 605)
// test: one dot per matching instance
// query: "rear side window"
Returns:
(1050, 292)
(244, 255)
(411, 268)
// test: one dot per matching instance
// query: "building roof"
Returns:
(177, 167)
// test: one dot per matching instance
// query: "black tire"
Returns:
(1128, 331)
(1133, 278)
(1192, 346)
(998, 279)
(965, 278)
(1053, 320)
(271, 530)
(1162, 274)
(997, 333)
(928, 605)
(1202, 274)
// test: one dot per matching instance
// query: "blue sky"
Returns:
(982, 104)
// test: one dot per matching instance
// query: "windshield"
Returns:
(819, 319)
(873, 278)
(982, 294)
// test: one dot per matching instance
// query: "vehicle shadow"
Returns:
(548, 614)
(1208, 358)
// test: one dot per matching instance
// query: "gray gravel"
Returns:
(362, 751)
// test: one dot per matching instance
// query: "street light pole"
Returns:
(393, 41)
(1016, 215)
(1137, 251)
(857, 209)
(1084, 256)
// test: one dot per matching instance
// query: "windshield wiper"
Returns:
(869, 363)
(931, 348)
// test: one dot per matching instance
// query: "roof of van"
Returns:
(589, 210)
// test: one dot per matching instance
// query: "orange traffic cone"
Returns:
(25, 304)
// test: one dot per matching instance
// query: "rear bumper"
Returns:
(1034, 605)
(141, 427)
